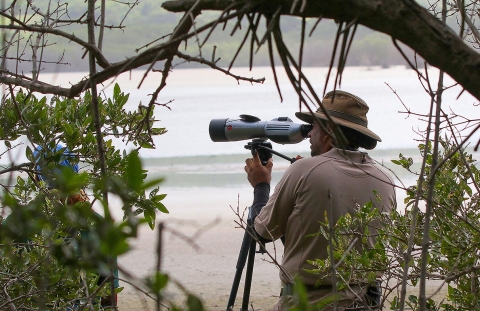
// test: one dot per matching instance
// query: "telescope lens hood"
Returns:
(217, 130)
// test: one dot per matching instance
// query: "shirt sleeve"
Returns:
(261, 192)
(271, 223)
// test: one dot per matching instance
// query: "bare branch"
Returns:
(424, 33)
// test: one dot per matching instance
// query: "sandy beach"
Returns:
(201, 245)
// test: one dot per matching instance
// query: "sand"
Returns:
(201, 246)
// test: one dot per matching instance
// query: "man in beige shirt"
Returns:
(335, 180)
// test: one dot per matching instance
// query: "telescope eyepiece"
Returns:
(305, 129)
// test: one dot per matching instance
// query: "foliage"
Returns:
(48, 242)
(453, 246)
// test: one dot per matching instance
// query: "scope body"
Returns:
(280, 130)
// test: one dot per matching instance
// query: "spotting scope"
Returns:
(280, 130)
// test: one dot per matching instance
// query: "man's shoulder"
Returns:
(306, 165)
(312, 161)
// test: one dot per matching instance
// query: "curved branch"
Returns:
(215, 67)
(157, 53)
(13, 168)
(101, 60)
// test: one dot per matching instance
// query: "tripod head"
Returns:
(262, 147)
(265, 151)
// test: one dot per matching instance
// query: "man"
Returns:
(337, 178)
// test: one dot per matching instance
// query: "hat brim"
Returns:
(308, 117)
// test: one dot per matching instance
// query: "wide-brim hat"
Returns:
(344, 109)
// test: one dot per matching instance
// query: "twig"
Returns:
(214, 66)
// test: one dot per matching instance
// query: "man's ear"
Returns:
(334, 141)
(328, 139)
(329, 131)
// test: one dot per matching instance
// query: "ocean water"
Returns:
(188, 159)
(397, 100)
(201, 95)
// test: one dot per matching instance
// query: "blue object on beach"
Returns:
(63, 162)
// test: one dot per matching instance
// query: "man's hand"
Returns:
(256, 172)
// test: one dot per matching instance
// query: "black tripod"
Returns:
(247, 250)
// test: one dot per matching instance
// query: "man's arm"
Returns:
(261, 193)
(271, 223)
(259, 177)
(271, 220)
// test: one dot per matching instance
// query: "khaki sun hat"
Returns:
(345, 109)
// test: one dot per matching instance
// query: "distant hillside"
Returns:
(147, 22)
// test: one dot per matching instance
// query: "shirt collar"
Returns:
(353, 156)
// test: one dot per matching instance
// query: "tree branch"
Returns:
(101, 60)
(421, 31)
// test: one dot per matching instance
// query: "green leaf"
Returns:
(68, 129)
(161, 207)
(153, 192)
(147, 145)
(414, 281)
(451, 291)
(159, 282)
(150, 216)
(43, 101)
(446, 239)
(469, 190)
(87, 121)
(115, 243)
(393, 305)
(9, 200)
(194, 303)
(20, 181)
(116, 90)
(29, 154)
(114, 162)
(90, 138)
(153, 183)
(158, 131)
(159, 197)
(133, 171)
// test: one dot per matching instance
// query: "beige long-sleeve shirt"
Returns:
(333, 182)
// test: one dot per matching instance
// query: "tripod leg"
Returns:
(242, 258)
(248, 276)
